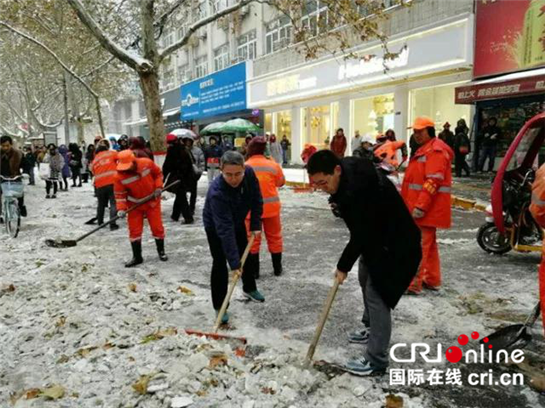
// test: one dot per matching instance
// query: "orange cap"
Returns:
(422, 122)
(126, 159)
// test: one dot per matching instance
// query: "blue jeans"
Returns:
(284, 156)
(490, 153)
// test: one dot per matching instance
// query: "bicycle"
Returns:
(12, 189)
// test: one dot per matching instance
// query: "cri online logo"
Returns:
(454, 354)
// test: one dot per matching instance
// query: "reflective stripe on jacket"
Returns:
(134, 186)
(270, 176)
(427, 184)
(104, 168)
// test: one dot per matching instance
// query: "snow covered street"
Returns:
(80, 330)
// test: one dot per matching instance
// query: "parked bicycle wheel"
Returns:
(12, 218)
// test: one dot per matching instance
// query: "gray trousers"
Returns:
(377, 317)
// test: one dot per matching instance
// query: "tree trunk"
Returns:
(149, 81)
(66, 116)
(81, 131)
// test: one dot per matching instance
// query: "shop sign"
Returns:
(221, 92)
(374, 65)
(509, 36)
(479, 92)
(289, 84)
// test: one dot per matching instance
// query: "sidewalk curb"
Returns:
(456, 201)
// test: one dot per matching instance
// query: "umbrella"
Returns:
(181, 133)
(240, 125)
(216, 127)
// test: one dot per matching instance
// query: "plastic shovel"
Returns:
(67, 243)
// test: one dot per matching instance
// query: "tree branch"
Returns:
(202, 23)
(129, 58)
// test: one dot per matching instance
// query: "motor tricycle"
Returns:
(509, 224)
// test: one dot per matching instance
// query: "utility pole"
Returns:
(66, 116)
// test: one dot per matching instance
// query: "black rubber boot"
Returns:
(136, 254)
(161, 249)
(252, 263)
(277, 263)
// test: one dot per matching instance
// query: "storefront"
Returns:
(218, 97)
(314, 99)
(508, 83)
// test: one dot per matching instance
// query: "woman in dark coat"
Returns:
(179, 166)
(66, 172)
(76, 163)
(462, 147)
(138, 146)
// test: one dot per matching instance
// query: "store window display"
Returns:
(374, 115)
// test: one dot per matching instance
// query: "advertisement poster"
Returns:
(510, 36)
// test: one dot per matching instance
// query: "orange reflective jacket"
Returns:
(270, 176)
(427, 184)
(537, 208)
(132, 187)
(104, 168)
(388, 152)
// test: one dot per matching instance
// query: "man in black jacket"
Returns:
(383, 233)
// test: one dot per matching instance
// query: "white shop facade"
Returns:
(308, 102)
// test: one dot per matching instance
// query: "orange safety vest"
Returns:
(135, 186)
(537, 208)
(270, 176)
(427, 184)
(104, 168)
(388, 152)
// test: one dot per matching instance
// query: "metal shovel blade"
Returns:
(60, 243)
(507, 337)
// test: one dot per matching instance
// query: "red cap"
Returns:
(126, 159)
(171, 138)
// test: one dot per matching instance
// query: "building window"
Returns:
(184, 74)
(201, 67)
(168, 38)
(278, 35)
(221, 58)
(314, 16)
(218, 5)
(168, 80)
(247, 46)
(180, 33)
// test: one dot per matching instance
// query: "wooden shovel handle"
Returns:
(321, 322)
(236, 277)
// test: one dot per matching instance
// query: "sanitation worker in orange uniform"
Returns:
(426, 191)
(537, 208)
(104, 169)
(138, 179)
(270, 176)
(387, 151)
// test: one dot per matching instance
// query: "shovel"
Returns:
(321, 322)
(508, 336)
(67, 243)
(225, 304)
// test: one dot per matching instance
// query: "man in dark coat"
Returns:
(229, 200)
(11, 160)
(382, 234)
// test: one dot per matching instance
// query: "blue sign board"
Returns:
(221, 92)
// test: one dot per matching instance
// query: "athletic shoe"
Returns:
(359, 337)
(362, 367)
(22, 210)
(114, 227)
(255, 296)
(225, 318)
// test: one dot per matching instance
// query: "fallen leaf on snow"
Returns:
(32, 393)
(141, 386)
(186, 291)
(61, 322)
(53, 392)
(393, 401)
(217, 361)
(132, 287)
(159, 334)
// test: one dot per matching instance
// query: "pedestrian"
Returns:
(89, 157)
(426, 190)
(197, 157)
(104, 167)
(138, 179)
(40, 155)
(52, 171)
(447, 136)
(178, 166)
(76, 163)
(29, 162)
(65, 173)
(285, 143)
(138, 146)
(491, 135)
(276, 150)
(462, 147)
(338, 143)
(356, 141)
(365, 149)
(113, 143)
(212, 154)
(537, 208)
(383, 236)
(230, 198)
(244, 146)
(11, 161)
(270, 176)
(307, 152)
(123, 142)
(388, 147)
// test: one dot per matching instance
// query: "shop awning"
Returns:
(505, 86)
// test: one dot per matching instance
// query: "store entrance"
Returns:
(375, 115)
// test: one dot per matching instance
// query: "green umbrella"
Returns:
(240, 125)
(216, 127)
